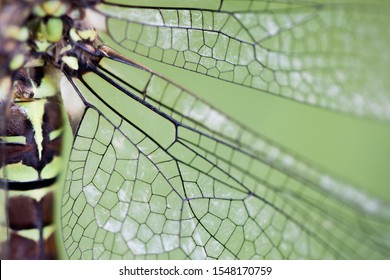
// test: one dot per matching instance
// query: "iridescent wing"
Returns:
(156, 172)
(329, 54)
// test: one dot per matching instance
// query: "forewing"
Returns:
(155, 172)
(328, 54)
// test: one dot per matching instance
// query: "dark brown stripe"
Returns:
(4, 250)
(22, 248)
(22, 212)
(27, 213)
(47, 206)
(51, 248)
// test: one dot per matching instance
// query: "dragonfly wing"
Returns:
(156, 172)
(324, 53)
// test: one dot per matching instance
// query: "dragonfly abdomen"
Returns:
(32, 164)
(32, 234)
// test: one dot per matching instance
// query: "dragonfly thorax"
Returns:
(61, 39)
(51, 35)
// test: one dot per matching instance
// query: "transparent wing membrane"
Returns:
(323, 53)
(155, 172)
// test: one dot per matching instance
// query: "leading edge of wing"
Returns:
(327, 55)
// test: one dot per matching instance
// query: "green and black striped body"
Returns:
(32, 165)
(31, 127)
(35, 48)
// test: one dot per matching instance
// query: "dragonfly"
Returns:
(157, 172)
